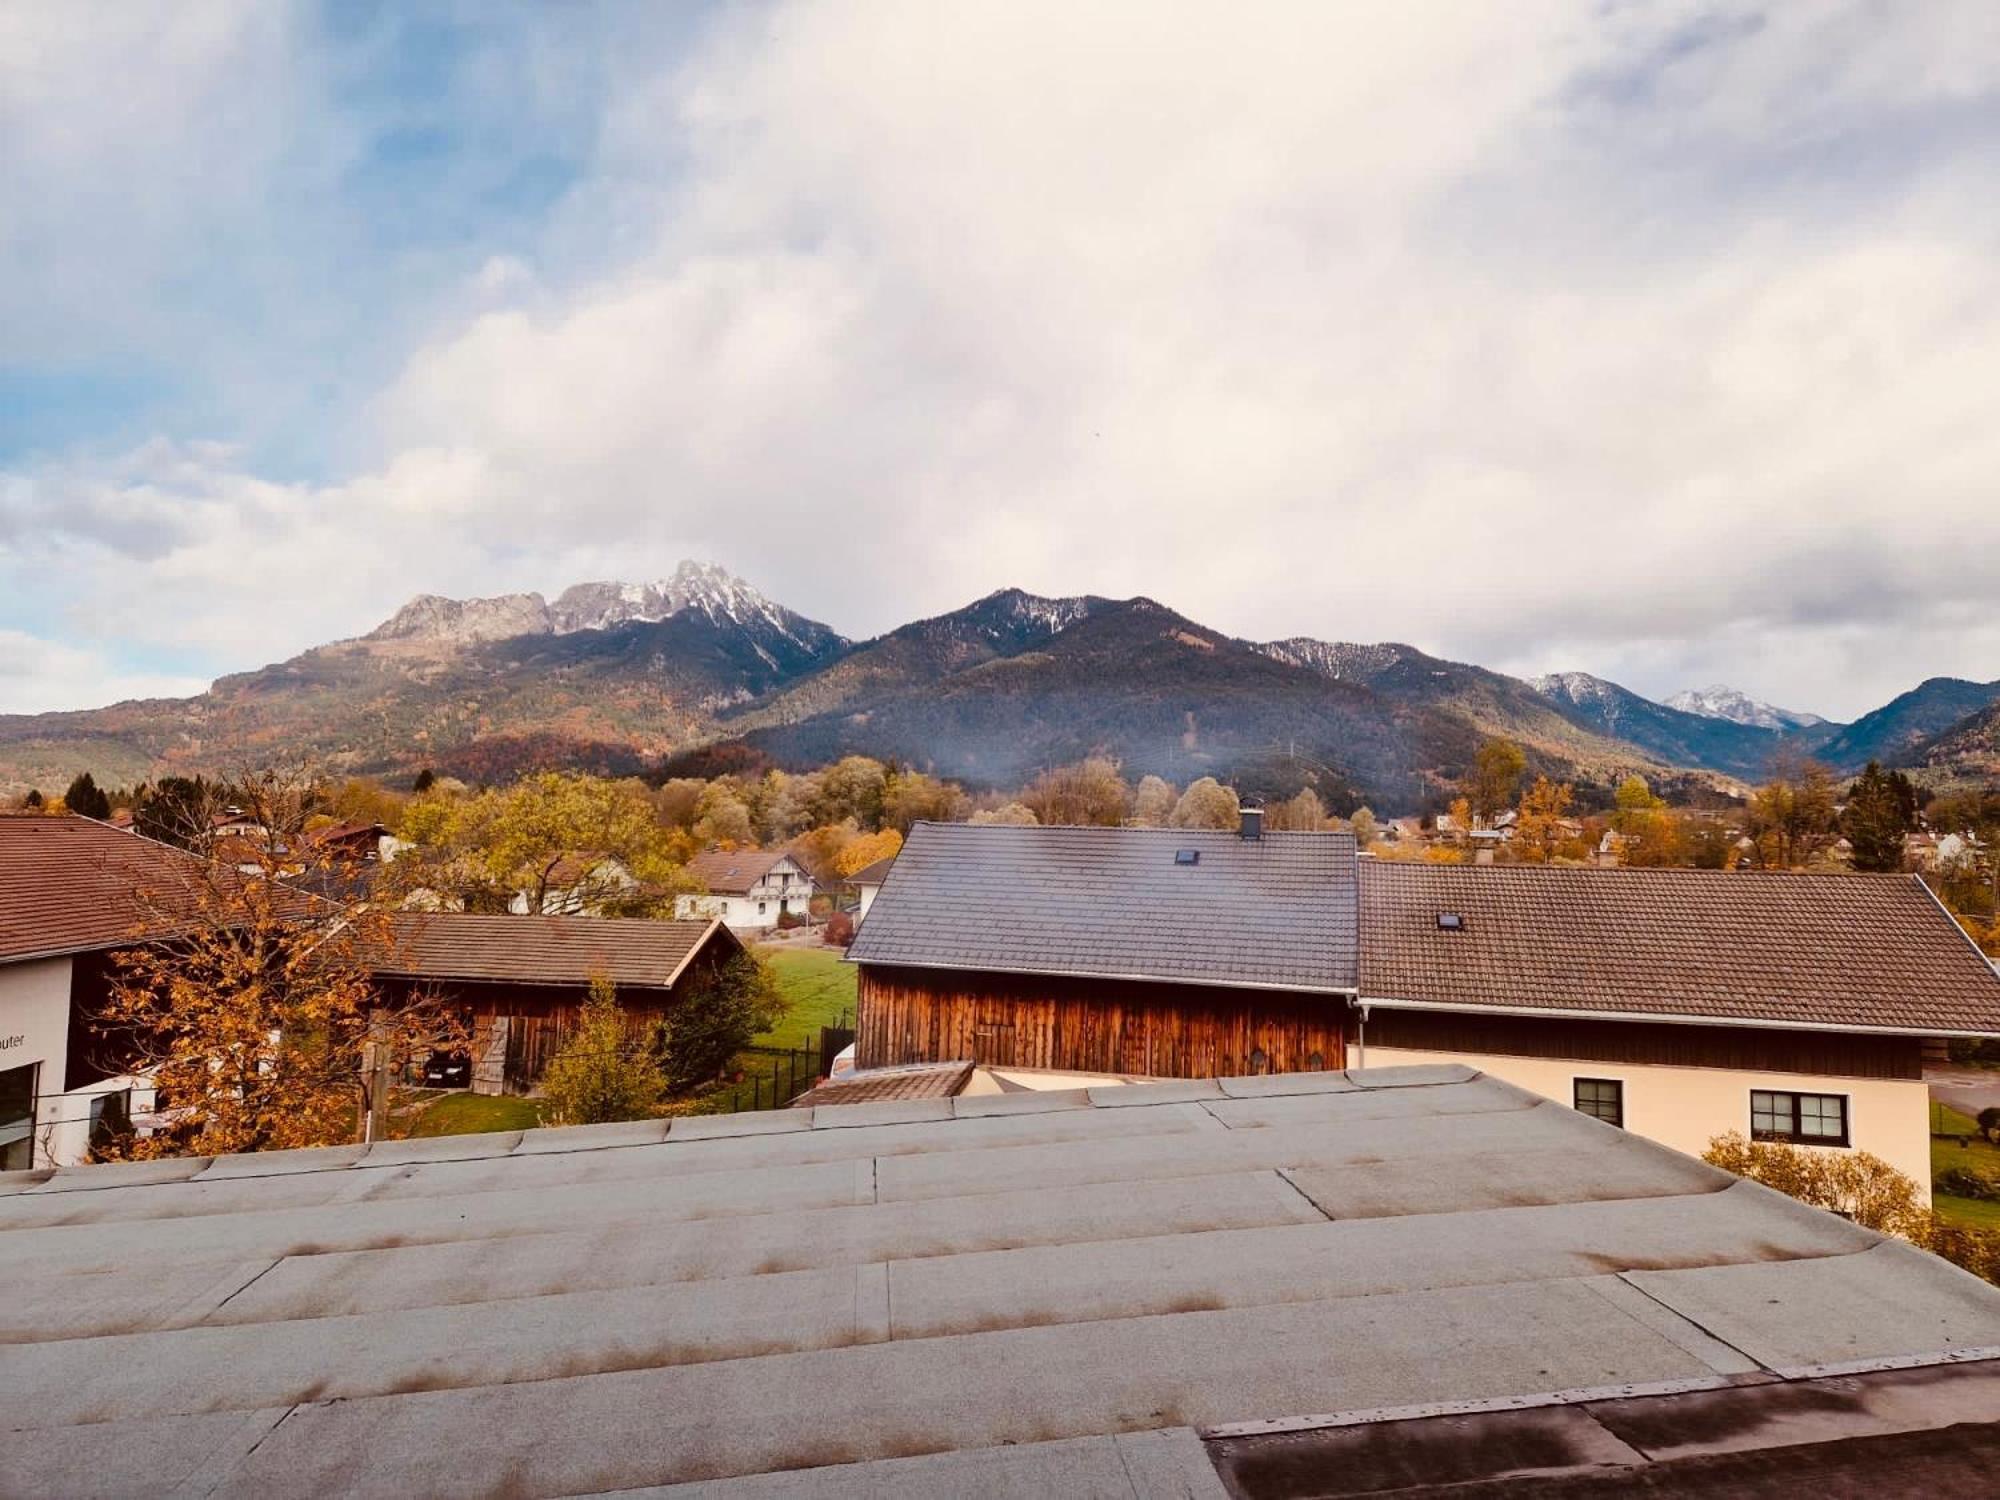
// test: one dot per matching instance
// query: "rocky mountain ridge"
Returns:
(1719, 701)
(700, 668)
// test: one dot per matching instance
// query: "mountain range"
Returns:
(700, 671)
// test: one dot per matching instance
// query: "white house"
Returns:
(67, 901)
(578, 886)
(748, 888)
(866, 883)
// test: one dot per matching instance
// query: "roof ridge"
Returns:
(1687, 871)
(1125, 829)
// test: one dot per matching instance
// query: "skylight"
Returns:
(1187, 856)
(1450, 921)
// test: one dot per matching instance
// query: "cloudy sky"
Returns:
(1659, 340)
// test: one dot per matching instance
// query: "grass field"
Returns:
(818, 985)
(1977, 1155)
(473, 1114)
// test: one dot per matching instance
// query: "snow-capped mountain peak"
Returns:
(1344, 661)
(1719, 701)
(692, 588)
(1577, 687)
(701, 587)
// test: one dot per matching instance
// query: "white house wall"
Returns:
(34, 1031)
(741, 913)
(1686, 1108)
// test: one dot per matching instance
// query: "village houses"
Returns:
(749, 889)
(1681, 1004)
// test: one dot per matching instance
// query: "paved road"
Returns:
(1968, 1090)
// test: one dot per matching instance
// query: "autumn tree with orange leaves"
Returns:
(257, 1018)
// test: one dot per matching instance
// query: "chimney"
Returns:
(1253, 823)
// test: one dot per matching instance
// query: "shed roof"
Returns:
(1276, 912)
(732, 872)
(637, 953)
(873, 874)
(1100, 1293)
(1837, 952)
(915, 1081)
(74, 885)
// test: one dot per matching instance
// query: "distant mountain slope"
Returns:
(1494, 703)
(1670, 734)
(627, 677)
(597, 679)
(1896, 732)
(1970, 748)
(1000, 625)
(1133, 679)
(1721, 702)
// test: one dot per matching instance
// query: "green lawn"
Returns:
(1967, 1213)
(472, 1114)
(818, 985)
(1978, 1155)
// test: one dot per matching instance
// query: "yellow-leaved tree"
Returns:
(606, 1069)
(1538, 832)
(553, 842)
(865, 849)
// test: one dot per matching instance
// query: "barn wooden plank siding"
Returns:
(1086, 1025)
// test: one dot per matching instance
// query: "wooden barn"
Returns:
(1159, 952)
(523, 979)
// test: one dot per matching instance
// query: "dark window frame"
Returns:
(31, 1120)
(1789, 1107)
(1593, 1106)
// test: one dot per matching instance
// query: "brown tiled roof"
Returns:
(73, 885)
(336, 833)
(923, 1081)
(1838, 951)
(731, 872)
(636, 953)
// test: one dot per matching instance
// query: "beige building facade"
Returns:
(1687, 1107)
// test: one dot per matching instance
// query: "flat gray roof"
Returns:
(1275, 913)
(1099, 1293)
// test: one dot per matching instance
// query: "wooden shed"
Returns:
(1167, 953)
(522, 980)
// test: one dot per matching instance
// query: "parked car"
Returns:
(448, 1070)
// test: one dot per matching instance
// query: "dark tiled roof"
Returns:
(1274, 913)
(1817, 950)
(1063, 1294)
(72, 885)
(547, 950)
(924, 1081)
(731, 872)
(873, 874)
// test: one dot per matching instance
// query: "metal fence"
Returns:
(772, 1077)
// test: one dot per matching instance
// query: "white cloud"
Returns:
(38, 674)
(1656, 341)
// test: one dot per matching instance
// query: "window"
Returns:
(110, 1116)
(1187, 856)
(17, 1118)
(1450, 921)
(1602, 1099)
(1808, 1119)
